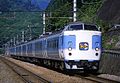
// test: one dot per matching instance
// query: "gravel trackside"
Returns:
(7, 75)
(53, 76)
(112, 77)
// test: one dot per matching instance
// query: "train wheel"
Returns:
(56, 65)
(95, 72)
(62, 66)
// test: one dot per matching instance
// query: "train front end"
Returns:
(82, 47)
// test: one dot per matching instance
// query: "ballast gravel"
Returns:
(7, 75)
(112, 77)
(53, 76)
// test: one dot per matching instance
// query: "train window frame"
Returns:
(53, 44)
(24, 48)
(38, 46)
(90, 27)
(17, 50)
(72, 27)
(29, 48)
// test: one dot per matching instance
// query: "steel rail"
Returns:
(97, 79)
(26, 75)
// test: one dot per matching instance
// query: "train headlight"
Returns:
(97, 49)
(69, 48)
(70, 45)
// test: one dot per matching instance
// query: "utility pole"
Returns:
(23, 36)
(44, 23)
(30, 32)
(17, 41)
(74, 10)
(14, 41)
(11, 41)
(8, 44)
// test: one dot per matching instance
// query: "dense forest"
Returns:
(17, 16)
(17, 5)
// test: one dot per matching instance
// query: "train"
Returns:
(75, 47)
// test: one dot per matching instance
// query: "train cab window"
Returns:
(90, 27)
(75, 27)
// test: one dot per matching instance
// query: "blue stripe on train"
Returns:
(67, 39)
(96, 41)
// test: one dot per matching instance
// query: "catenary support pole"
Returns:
(74, 10)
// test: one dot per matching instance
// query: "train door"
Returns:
(44, 46)
(61, 55)
(33, 48)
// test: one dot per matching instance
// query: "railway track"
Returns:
(26, 75)
(30, 77)
(95, 78)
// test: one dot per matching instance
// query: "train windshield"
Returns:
(90, 27)
(75, 27)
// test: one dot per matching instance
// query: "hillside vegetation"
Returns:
(86, 12)
(16, 16)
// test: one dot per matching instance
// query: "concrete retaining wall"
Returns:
(110, 64)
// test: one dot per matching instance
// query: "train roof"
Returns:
(72, 23)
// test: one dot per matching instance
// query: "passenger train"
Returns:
(76, 47)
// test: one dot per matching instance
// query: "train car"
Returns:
(76, 47)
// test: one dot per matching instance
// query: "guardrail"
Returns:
(111, 51)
